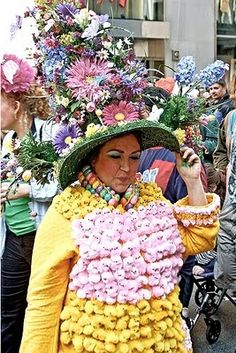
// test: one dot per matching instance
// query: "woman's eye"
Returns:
(114, 155)
(136, 156)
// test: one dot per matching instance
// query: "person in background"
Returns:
(232, 89)
(219, 106)
(24, 108)
(221, 153)
(220, 100)
(225, 265)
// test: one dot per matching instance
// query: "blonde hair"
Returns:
(34, 102)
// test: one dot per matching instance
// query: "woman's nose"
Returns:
(125, 165)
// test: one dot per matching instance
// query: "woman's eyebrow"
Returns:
(121, 151)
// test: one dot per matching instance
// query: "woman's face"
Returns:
(7, 114)
(117, 162)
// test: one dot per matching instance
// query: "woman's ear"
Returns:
(92, 163)
(17, 108)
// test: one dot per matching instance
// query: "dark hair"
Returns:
(221, 82)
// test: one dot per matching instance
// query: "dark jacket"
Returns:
(210, 132)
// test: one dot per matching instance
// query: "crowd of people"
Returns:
(104, 226)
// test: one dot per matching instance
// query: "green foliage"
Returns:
(181, 111)
(39, 157)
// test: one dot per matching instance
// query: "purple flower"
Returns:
(65, 10)
(103, 18)
(185, 71)
(65, 137)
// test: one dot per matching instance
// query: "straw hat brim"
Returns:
(151, 133)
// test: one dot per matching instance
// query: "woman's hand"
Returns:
(188, 164)
(3, 193)
(189, 167)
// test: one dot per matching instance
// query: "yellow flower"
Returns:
(66, 39)
(91, 130)
(62, 100)
(8, 145)
(26, 176)
(180, 135)
(98, 112)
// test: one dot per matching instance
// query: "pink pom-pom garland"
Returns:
(127, 257)
(197, 215)
(16, 74)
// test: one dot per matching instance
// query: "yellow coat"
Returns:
(50, 323)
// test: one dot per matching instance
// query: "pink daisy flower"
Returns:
(88, 78)
(123, 111)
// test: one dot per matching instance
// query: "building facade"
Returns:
(165, 30)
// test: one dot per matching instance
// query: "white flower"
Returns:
(82, 16)
(127, 41)
(226, 67)
(103, 54)
(49, 24)
(10, 68)
(155, 113)
(107, 44)
(106, 25)
(119, 44)
(19, 170)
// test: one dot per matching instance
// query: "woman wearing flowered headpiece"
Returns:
(108, 252)
(24, 108)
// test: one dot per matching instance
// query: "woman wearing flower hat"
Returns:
(25, 204)
(108, 252)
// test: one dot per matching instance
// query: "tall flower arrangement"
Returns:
(85, 68)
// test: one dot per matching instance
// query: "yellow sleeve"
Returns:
(51, 264)
(198, 225)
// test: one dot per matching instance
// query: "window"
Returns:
(149, 10)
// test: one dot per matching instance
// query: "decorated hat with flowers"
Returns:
(16, 74)
(96, 85)
(96, 82)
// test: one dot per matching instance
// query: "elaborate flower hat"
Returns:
(16, 74)
(96, 82)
